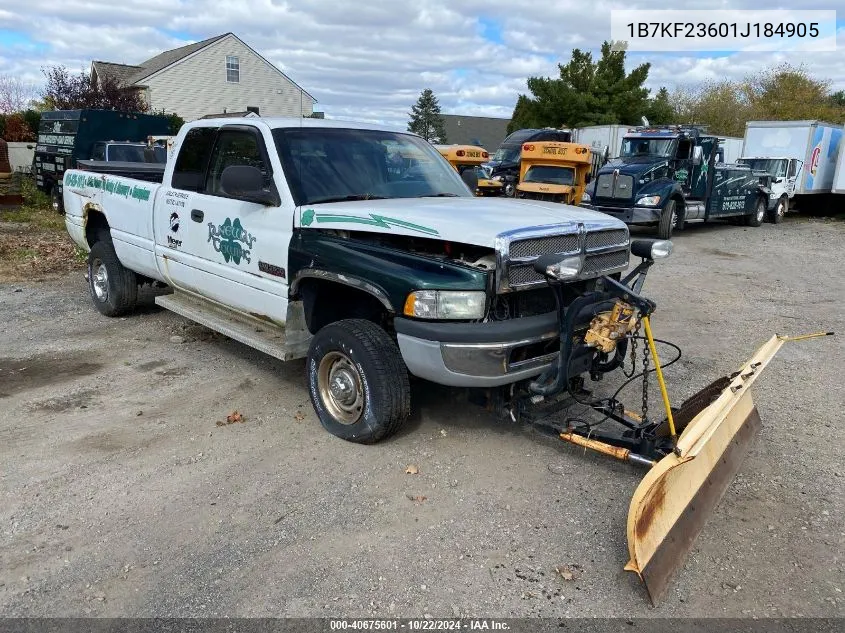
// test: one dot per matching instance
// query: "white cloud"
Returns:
(369, 61)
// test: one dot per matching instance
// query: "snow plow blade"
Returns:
(672, 503)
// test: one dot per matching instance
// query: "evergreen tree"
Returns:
(426, 119)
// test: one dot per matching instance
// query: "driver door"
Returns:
(233, 250)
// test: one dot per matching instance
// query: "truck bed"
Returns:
(149, 172)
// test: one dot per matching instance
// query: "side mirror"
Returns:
(697, 155)
(470, 178)
(246, 182)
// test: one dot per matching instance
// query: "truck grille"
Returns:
(614, 185)
(603, 251)
(540, 245)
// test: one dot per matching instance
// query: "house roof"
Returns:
(168, 58)
(132, 75)
(488, 132)
(121, 72)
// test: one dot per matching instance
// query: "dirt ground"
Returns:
(124, 492)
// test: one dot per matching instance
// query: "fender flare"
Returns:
(343, 279)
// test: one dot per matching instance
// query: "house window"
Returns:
(233, 69)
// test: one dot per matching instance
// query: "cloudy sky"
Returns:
(368, 61)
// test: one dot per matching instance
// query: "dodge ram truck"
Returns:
(296, 238)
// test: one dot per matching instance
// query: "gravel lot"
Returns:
(121, 495)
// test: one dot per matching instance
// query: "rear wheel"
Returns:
(358, 381)
(114, 289)
(780, 210)
(756, 218)
(668, 221)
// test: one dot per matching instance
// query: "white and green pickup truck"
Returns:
(358, 248)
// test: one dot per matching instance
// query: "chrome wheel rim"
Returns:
(781, 209)
(674, 218)
(341, 388)
(761, 213)
(100, 281)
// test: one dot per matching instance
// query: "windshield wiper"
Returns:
(349, 198)
(440, 195)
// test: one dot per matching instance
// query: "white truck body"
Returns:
(731, 148)
(599, 137)
(839, 174)
(815, 144)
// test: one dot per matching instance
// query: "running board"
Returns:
(285, 341)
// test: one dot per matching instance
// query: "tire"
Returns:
(56, 200)
(113, 288)
(780, 210)
(759, 215)
(668, 221)
(365, 360)
(509, 189)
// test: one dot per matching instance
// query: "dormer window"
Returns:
(233, 69)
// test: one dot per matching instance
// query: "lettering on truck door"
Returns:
(222, 244)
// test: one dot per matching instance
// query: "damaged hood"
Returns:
(467, 220)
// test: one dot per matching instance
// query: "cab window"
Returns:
(234, 147)
(192, 161)
(99, 152)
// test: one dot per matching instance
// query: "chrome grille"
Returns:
(522, 274)
(614, 185)
(603, 239)
(541, 245)
(597, 264)
(603, 251)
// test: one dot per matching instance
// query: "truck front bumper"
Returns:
(479, 354)
(629, 215)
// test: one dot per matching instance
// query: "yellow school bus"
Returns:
(464, 157)
(553, 171)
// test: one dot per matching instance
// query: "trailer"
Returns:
(812, 147)
(839, 176)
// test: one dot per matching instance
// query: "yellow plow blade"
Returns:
(671, 505)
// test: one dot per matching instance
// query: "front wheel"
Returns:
(358, 381)
(780, 210)
(756, 218)
(114, 289)
(668, 221)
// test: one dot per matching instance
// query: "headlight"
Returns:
(661, 249)
(651, 249)
(648, 201)
(561, 269)
(498, 178)
(446, 304)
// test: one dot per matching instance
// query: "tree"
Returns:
(17, 130)
(174, 120)
(74, 92)
(587, 92)
(15, 94)
(780, 93)
(660, 110)
(426, 119)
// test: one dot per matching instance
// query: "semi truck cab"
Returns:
(666, 176)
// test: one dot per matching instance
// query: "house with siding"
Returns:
(218, 75)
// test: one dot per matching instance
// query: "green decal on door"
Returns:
(231, 240)
(382, 221)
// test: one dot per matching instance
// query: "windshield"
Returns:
(647, 146)
(550, 175)
(160, 153)
(507, 154)
(773, 166)
(331, 165)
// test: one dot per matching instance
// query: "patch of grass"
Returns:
(34, 243)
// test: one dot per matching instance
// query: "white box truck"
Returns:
(800, 156)
(839, 178)
(731, 147)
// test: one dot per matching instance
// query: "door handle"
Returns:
(197, 215)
